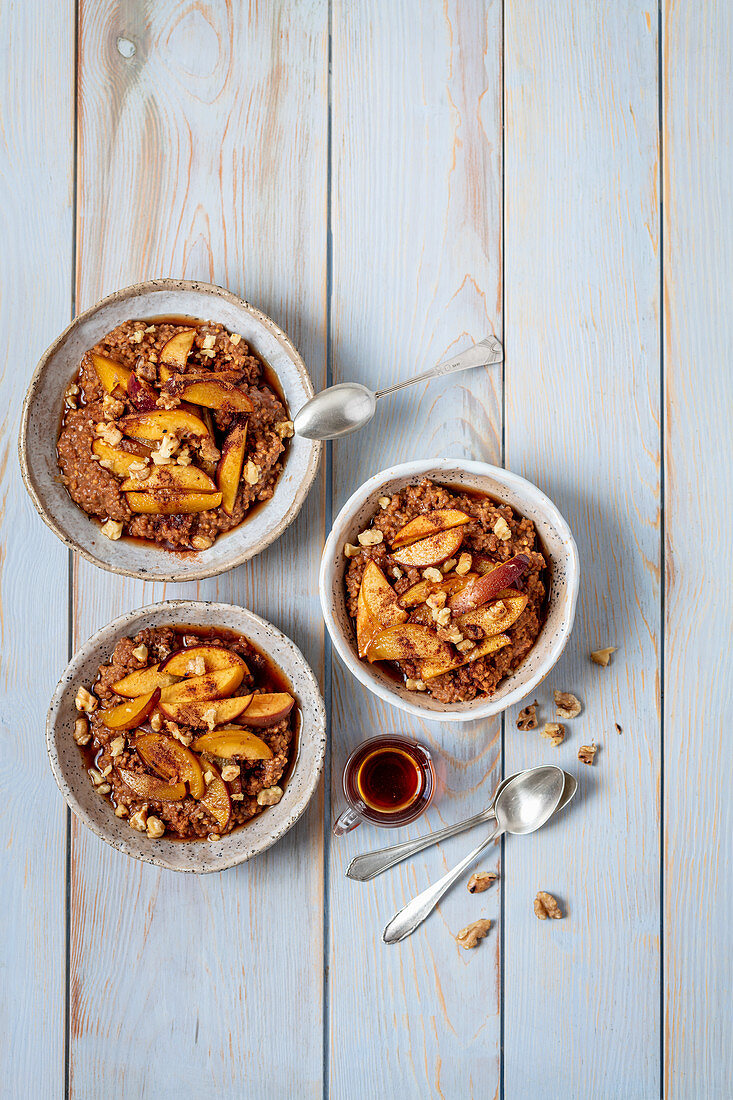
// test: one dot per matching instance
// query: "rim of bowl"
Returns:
(332, 553)
(185, 608)
(203, 571)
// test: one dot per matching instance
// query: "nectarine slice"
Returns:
(119, 461)
(420, 591)
(430, 523)
(159, 422)
(229, 470)
(150, 787)
(213, 685)
(409, 641)
(216, 800)
(430, 551)
(128, 716)
(377, 606)
(497, 616)
(175, 351)
(430, 669)
(228, 743)
(187, 478)
(186, 662)
(142, 681)
(488, 587)
(267, 709)
(142, 396)
(113, 376)
(172, 502)
(217, 395)
(199, 715)
(172, 760)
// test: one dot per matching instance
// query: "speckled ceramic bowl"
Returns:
(528, 501)
(43, 408)
(198, 856)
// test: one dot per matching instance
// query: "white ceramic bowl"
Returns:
(198, 856)
(43, 408)
(506, 487)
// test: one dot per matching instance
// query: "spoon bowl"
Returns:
(337, 411)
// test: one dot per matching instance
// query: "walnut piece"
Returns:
(140, 652)
(371, 537)
(155, 828)
(384, 502)
(448, 565)
(432, 574)
(586, 753)
(437, 600)
(139, 820)
(229, 772)
(415, 685)
(464, 564)
(251, 472)
(270, 796)
(554, 732)
(112, 529)
(602, 656)
(527, 717)
(116, 747)
(85, 701)
(481, 881)
(567, 705)
(546, 906)
(502, 529)
(472, 933)
(351, 551)
(442, 616)
(285, 429)
(82, 736)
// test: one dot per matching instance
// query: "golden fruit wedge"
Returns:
(184, 662)
(229, 470)
(175, 351)
(229, 743)
(187, 478)
(143, 681)
(420, 591)
(172, 502)
(119, 461)
(198, 715)
(214, 685)
(267, 709)
(113, 376)
(442, 519)
(430, 551)
(430, 669)
(409, 641)
(217, 395)
(216, 800)
(128, 716)
(171, 760)
(488, 586)
(376, 608)
(150, 787)
(495, 617)
(159, 422)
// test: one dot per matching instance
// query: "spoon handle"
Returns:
(370, 864)
(414, 913)
(480, 355)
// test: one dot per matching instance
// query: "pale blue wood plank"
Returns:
(36, 171)
(582, 399)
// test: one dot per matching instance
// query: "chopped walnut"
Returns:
(112, 406)
(208, 777)
(432, 574)
(481, 881)
(351, 551)
(120, 810)
(396, 572)
(545, 905)
(437, 600)
(384, 502)
(209, 716)
(116, 747)
(442, 617)
(285, 429)
(472, 933)
(112, 529)
(270, 796)
(448, 565)
(140, 469)
(168, 401)
(209, 341)
(554, 732)
(587, 752)
(201, 542)
(85, 701)
(139, 820)
(466, 645)
(166, 449)
(82, 736)
(140, 652)
(155, 828)
(527, 717)
(229, 772)
(371, 537)
(251, 472)
(104, 788)
(106, 770)
(136, 337)
(95, 777)
(497, 609)
(196, 666)
(234, 338)
(451, 634)
(237, 797)
(108, 433)
(415, 685)
(183, 458)
(502, 529)
(602, 656)
(567, 705)
(156, 722)
(465, 562)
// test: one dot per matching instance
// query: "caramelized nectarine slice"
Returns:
(229, 470)
(172, 760)
(213, 685)
(128, 716)
(497, 616)
(430, 551)
(420, 591)
(217, 395)
(430, 523)
(228, 743)
(175, 351)
(142, 681)
(150, 787)
(142, 396)
(187, 478)
(198, 659)
(113, 376)
(488, 587)
(267, 709)
(119, 461)
(199, 715)
(170, 502)
(407, 642)
(377, 606)
(159, 422)
(430, 669)
(216, 799)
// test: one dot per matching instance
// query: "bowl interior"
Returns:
(197, 856)
(557, 544)
(44, 408)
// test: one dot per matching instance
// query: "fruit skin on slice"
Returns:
(229, 470)
(430, 669)
(182, 661)
(216, 395)
(193, 714)
(213, 685)
(149, 786)
(376, 607)
(514, 604)
(267, 709)
(229, 743)
(171, 760)
(420, 591)
(430, 551)
(186, 478)
(488, 586)
(127, 716)
(175, 351)
(113, 376)
(119, 461)
(172, 502)
(159, 422)
(408, 642)
(216, 799)
(142, 396)
(142, 681)
(430, 523)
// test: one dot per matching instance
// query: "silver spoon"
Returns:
(525, 804)
(367, 866)
(349, 405)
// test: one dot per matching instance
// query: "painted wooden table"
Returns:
(390, 181)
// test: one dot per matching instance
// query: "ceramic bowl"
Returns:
(197, 856)
(43, 406)
(503, 486)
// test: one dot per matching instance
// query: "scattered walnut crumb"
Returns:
(155, 828)
(209, 717)
(108, 433)
(432, 574)
(587, 752)
(448, 565)
(209, 341)
(208, 777)
(371, 537)
(451, 634)
(527, 717)
(270, 796)
(285, 429)
(502, 530)
(95, 777)
(384, 502)
(140, 652)
(85, 700)
(139, 469)
(136, 337)
(156, 722)
(82, 736)
(618, 728)
(196, 666)
(183, 458)
(116, 747)
(351, 551)
(229, 772)
(201, 542)
(554, 732)
(104, 788)
(396, 572)
(168, 401)
(120, 811)
(415, 685)
(481, 881)
(237, 797)
(437, 600)
(442, 616)
(465, 562)
(602, 656)
(251, 472)
(497, 609)
(112, 529)
(466, 645)
(139, 820)
(567, 705)
(472, 933)
(235, 338)
(545, 905)
(112, 406)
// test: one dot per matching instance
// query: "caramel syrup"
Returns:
(389, 779)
